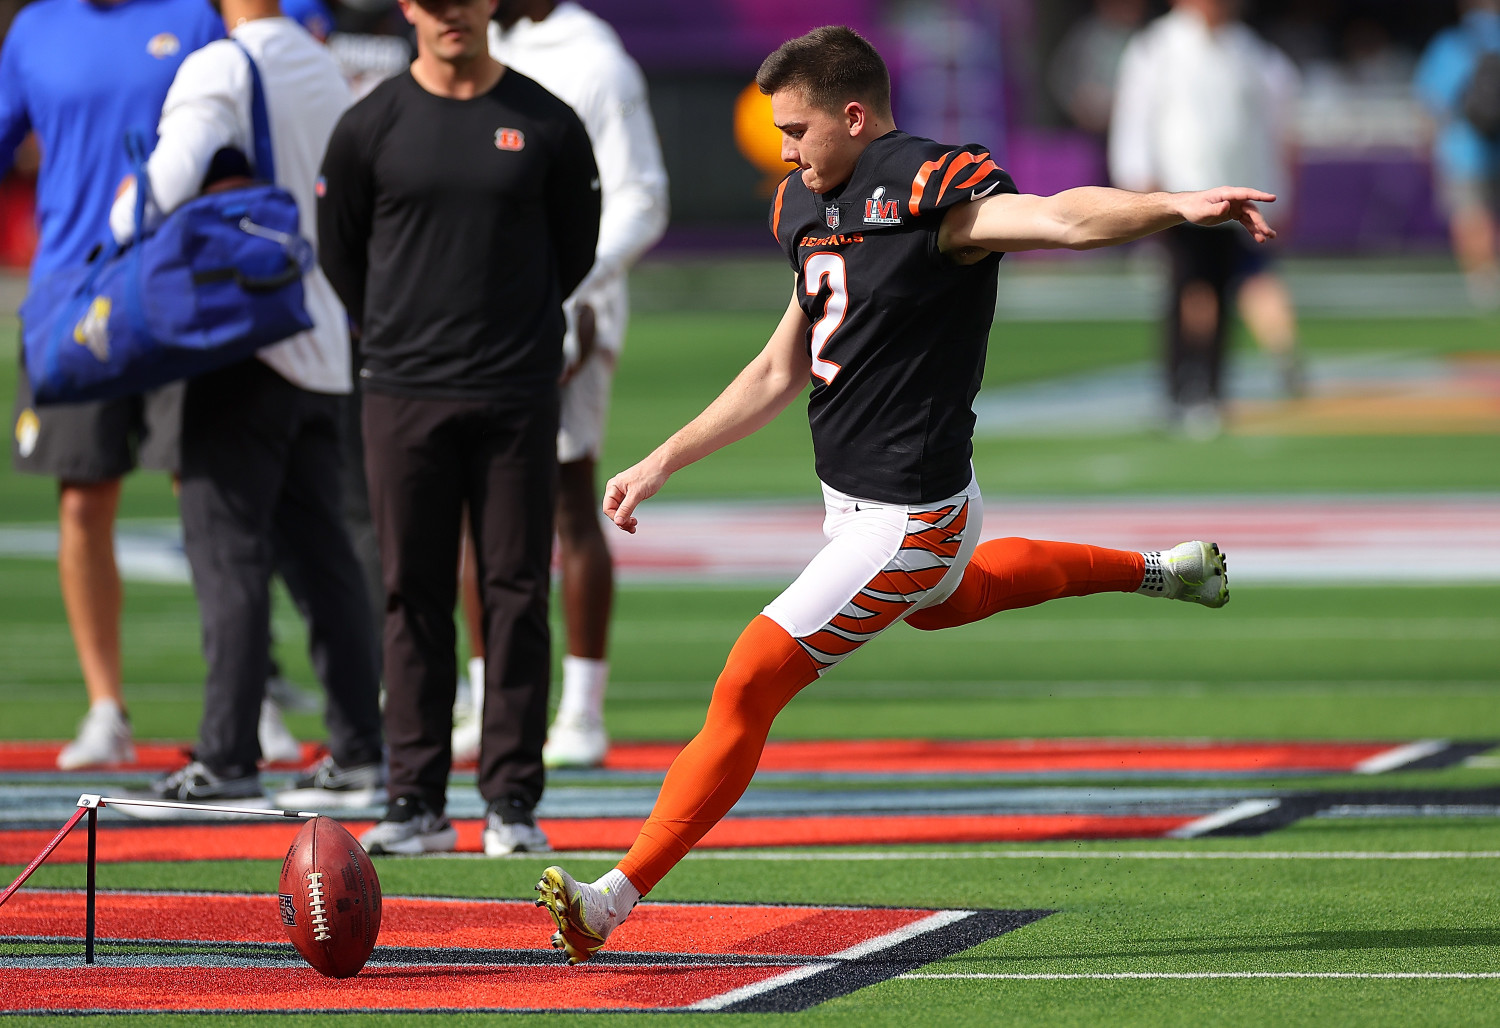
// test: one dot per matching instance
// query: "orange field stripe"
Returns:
(377, 988)
(452, 923)
(897, 755)
(128, 843)
(1021, 756)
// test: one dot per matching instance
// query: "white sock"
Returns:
(107, 704)
(1155, 582)
(584, 681)
(476, 686)
(625, 894)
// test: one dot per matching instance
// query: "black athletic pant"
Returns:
(1195, 364)
(261, 460)
(425, 459)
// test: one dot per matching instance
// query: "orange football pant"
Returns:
(766, 668)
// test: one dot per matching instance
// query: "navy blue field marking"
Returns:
(1372, 803)
(851, 975)
(1453, 754)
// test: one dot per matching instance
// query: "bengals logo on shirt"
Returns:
(510, 139)
(163, 44)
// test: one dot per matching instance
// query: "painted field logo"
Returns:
(225, 952)
(510, 139)
(881, 211)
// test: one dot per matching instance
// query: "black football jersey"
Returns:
(899, 330)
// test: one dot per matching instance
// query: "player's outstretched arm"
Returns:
(1092, 216)
(761, 391)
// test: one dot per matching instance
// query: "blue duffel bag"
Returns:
(218, 279)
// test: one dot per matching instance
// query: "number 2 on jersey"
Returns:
(818, 267)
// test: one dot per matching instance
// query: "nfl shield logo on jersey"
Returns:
(831, 215)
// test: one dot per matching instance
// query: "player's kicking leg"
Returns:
(880, 562)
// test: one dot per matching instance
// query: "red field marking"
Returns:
(903, 756)
(1022, 756)
(474, 955)
(173, 843)
(468, 924)
(149, 756)
(425, 987)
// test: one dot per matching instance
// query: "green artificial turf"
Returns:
(1371, 662)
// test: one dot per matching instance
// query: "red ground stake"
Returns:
(58, 838)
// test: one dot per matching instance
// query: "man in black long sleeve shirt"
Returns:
(459, 206)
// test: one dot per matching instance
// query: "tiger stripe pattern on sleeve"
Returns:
(931, 545)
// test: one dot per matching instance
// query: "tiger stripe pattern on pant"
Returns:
(929, 549)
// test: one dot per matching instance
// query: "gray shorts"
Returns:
(96, 442)
(1466, 193)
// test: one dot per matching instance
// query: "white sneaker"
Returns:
(1193, 571)
(575, 741)
(277, 743)
(585, 914)
(103, 738)
(516, 836)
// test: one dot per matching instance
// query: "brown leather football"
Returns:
(330, 898)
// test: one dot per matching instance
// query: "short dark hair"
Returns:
(832, 65)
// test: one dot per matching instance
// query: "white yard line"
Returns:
(1219, 818)
(745, 992)
(1400, 756)
(941, 919)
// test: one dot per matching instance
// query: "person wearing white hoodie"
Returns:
(578, 58)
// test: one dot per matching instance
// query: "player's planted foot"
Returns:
(1193, 571)
(585, 914)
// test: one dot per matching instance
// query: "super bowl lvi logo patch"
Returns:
(510, 139)
(92, 329)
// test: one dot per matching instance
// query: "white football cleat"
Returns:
(584, 914)
(103, 738)
(575, 741)
(1193, 571)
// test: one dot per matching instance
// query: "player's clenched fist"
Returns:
(627, 489)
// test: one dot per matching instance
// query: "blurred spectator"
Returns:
(1202, 99)
(579, 58)
(81, 75)
(260, 439)
(1085, 64)
(1457, 78)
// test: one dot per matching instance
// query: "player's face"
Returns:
(822, 143)
(451, 30)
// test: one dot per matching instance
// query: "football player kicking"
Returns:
(896, 242)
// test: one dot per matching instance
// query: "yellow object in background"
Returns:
(757, 136)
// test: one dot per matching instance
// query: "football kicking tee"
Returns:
(895, 243)
(89, 805)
